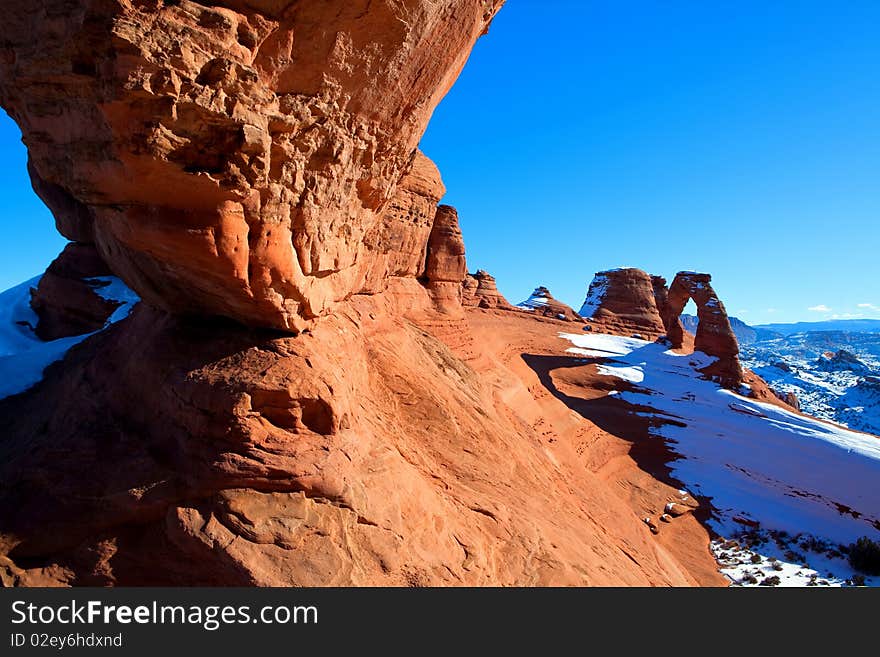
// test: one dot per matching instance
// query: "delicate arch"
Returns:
(714, 334)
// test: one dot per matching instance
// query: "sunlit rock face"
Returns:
(623, 301)
(240, 158)
(714, 336)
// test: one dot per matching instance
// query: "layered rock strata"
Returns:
(623, 301)
(480, 290)
(542, 302)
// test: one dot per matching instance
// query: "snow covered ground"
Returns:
(770, 473)
(23, 356)
(830, 388)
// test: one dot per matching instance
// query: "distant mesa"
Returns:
(541, 302)
(841, 360)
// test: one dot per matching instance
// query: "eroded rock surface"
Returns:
(445, 265)
(542, 302)
(480, 289)
(623, 301)
(714, 336)
(235, 157)
(363, 452)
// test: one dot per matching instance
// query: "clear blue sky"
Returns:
(739, 138)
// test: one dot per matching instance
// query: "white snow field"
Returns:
(799, 487)
(24, 356)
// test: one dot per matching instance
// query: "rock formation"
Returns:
(714, 334)
(66, 299)
(480, 290)
(541, 302)
(362, 452)
(622, 301)
(235, 157)
(628, 301)
(445, 265)
(299, 399)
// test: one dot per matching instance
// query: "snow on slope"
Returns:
(829, 388)
(795, 475)
(23, 356)
(537, 299)
(595, 295)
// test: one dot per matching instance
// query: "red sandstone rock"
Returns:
(65, 301)
(714, 336)
(398, 242)
(542, 303)
(256, 159)
(234, 158)
(622, 301)
(364, 452)
(445, 265)
(481, 290)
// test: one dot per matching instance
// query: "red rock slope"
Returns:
(376, 449)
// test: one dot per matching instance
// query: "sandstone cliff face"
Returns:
(256, 159)
(237, 158)
(481, 290)
(623, 301)
(66, 300)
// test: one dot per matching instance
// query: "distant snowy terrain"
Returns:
(744, 333)
(791, 489)
(835, 374)
(24, 356)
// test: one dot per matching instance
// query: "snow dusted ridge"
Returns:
(595, 296)
(807, 486)
(23, 356)
(537, 299)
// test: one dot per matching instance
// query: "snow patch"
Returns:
(595, 295)
(535, 300)
(24, 356)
